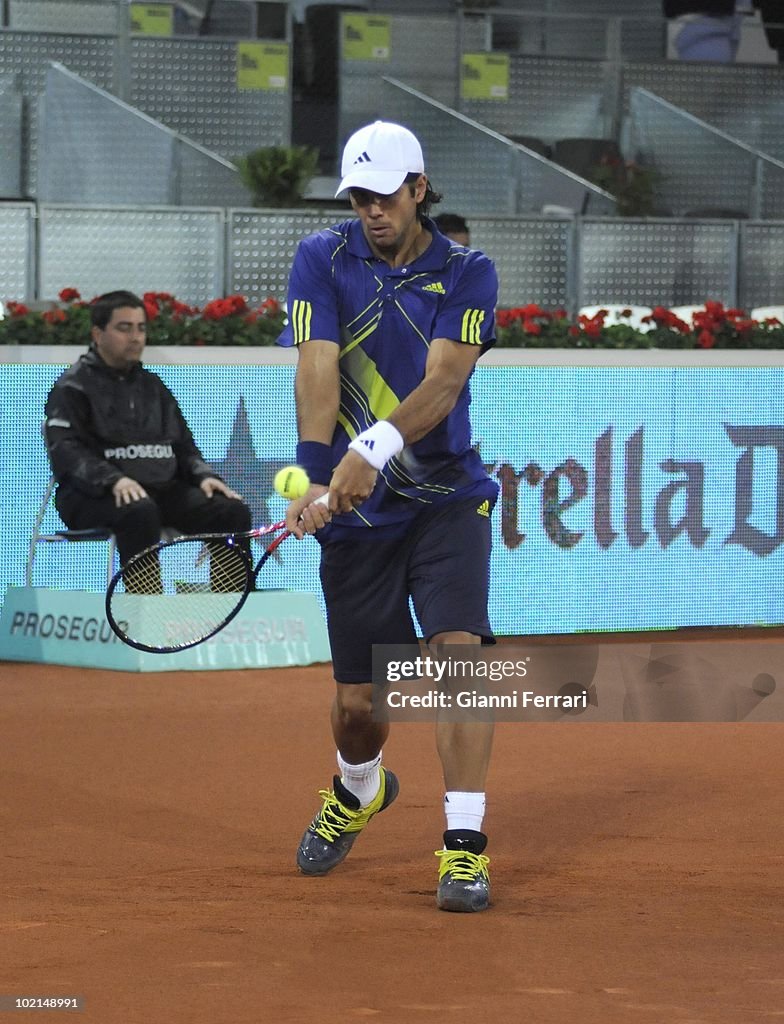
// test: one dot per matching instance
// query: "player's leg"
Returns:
(449, 577)
(367, 602)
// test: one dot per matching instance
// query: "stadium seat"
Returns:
(584, 155)
(531, 142)
(767, 313)
(614, 310)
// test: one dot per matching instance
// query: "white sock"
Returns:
(464, 810)
(363, 780)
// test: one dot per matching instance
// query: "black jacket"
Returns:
(102, 425)
(716, 8)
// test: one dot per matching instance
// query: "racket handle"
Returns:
(323, 499)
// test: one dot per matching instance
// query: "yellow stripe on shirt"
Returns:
(301, 316)
(471, 327)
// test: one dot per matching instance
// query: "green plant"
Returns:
(278, 175)
(632, 184)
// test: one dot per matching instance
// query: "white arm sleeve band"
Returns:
(378, 444)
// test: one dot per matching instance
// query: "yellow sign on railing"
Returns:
(263, 66)
(366, 37)
(152, 19)
(485, 76)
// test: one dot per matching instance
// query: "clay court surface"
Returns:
(148, 825)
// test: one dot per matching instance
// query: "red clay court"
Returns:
(149, 824)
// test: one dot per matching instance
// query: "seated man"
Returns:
(121, 451)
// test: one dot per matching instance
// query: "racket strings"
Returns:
(200, 583)
(142, 575)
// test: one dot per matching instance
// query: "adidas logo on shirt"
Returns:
(436, 286)
(484, 509)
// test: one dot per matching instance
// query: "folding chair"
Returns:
(97, 535)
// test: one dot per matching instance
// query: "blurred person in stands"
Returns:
(772, 12)
(121, 451)
(708, 30)
(453, 226)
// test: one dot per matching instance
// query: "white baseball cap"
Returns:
(378, 157)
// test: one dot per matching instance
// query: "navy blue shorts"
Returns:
(442, 563)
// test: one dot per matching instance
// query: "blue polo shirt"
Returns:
(384, 318)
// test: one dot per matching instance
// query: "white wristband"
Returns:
(379, 443)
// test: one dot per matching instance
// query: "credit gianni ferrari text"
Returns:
(461, 682)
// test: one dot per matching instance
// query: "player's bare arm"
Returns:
(449, 365)
(317, 394)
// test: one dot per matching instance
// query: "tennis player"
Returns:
(389, 318)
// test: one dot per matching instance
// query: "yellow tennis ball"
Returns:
(291, 482)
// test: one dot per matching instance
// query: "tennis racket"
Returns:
(180, 592)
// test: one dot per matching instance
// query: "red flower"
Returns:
(574, 332)
(270, 306)
(705, 339)
(531, 310)
(69, 295)
(532, 327)
(150, 308)
(54, 316)
(216, 310)
(17, 309)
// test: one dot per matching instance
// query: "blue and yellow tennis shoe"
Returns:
(463, 881)
(333, 831)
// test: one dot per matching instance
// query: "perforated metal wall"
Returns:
(745, 100)
(97, 250)
(552, 262)
(11, 134)
(657, 262)
(191, 86)
(423, 53)
(761, 278)
(548, 98)
(26, 55)
(88, 17)
(16, 252)
(533, 257)
(262, 244)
